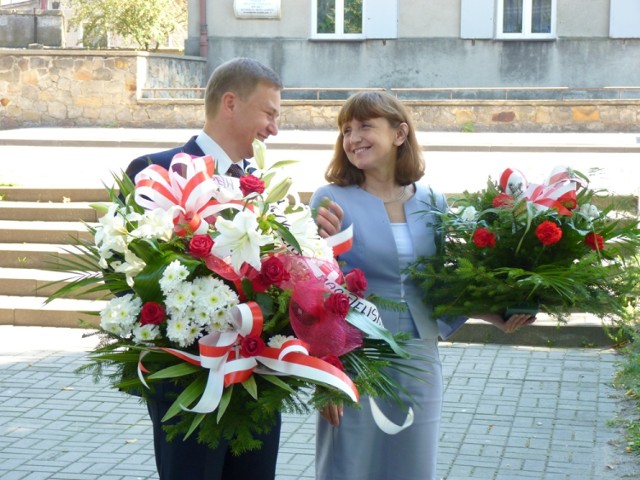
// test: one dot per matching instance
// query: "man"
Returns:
(242, 103)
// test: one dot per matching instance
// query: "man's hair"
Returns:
(363, 106)
(240, 76)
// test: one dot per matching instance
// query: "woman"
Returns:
(373, 179)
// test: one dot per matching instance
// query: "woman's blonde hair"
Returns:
(363, 106)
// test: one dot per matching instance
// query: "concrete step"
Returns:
(31, 311)
(33, 255)
(12, 231)
(47, 211)
(581, 330)
(53, 194)
(36, 282)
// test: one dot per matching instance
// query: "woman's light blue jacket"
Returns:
(374, 248)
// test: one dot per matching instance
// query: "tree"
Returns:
(146, 23)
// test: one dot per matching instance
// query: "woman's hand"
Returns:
(511, 324)
(329, 218)
(332, 414)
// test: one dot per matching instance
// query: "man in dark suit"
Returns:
(242, 103)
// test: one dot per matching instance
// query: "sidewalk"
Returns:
(510, 413)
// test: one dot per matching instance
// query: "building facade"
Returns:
(428, 44)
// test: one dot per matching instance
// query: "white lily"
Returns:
(240, 239)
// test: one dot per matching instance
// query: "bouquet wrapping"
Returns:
(557, 247)
(220, 292)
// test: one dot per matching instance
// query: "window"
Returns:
(526, 19)
(354, 19)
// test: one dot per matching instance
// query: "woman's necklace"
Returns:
(397, 198)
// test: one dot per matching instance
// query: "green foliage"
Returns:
(146, 23)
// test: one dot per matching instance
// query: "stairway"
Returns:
(38, 227)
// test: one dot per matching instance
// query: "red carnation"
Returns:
(483, 238)
(337, 303)
(251, 346)
(503, 200)
(334, 361)
(250, 184)
(548, 232)
(152, 313)
(595, 241)
(200, 246)
(356, 282)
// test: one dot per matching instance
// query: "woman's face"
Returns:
(371, 144)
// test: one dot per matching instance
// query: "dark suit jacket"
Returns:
(162, 158)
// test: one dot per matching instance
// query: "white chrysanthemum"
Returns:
(120, 315)
(173, 276)
(221, 321)
(146, 333)
(213, 294)
(181, 331)
(240, 239)
(152, 224)
(278, 340)
(179, 299)
(469, 214)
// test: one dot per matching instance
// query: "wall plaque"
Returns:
(256, 8)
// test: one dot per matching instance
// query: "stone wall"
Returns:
(80, 88)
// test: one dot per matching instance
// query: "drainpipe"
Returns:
(204, 37)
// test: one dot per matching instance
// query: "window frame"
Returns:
(527, 14)
(339, 8)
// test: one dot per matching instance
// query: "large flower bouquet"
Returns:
(221, 289)
(558, 247)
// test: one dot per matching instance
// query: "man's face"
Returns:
(256, 117)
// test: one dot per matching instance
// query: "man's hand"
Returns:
(329, 218)
(511, 324)
(332, 414)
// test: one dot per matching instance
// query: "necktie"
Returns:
(235, 170)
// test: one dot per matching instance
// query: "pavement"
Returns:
(510, 411)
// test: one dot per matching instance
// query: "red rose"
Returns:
(152, 313)
(548, 232)
(337, 303)
(251, 346)
(483, 238)
(200, 246)
(272, 272)
(595, 241)
(250, 184)
(356, 282)
(334, 361)
(503, 200)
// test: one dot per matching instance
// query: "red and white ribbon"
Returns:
(189, 184)
(219, 353)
